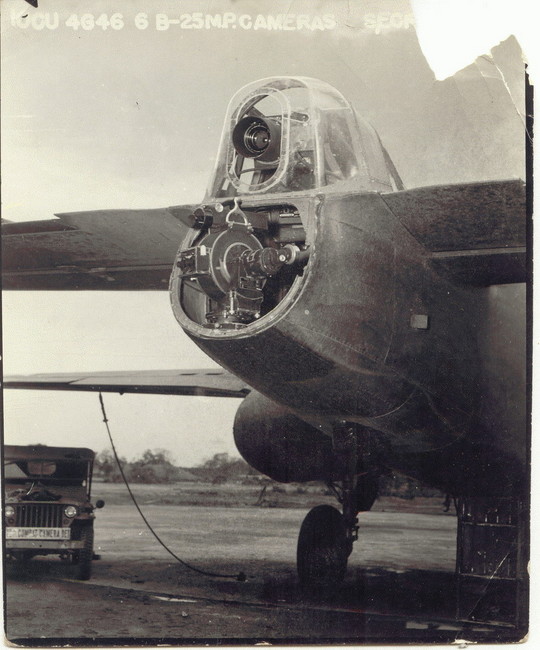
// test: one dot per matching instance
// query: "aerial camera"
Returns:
(255, 137)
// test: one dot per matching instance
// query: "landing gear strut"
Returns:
(327, 536)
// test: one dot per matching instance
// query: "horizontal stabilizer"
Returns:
(475, 232)
(483, 268)
(102, 249)
(209, 383)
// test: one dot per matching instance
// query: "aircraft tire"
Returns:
(86, 553)
(323, 549)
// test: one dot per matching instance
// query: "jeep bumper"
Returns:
(48, 544)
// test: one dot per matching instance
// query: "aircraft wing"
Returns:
(475, 233)
(208, 382)
(103, 249)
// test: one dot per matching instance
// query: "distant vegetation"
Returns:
(156, 466)
(222, 468)
(152, 467)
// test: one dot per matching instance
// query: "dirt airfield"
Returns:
(399, 586)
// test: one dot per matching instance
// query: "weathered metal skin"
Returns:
(281, 445)
(278, 443)
(391, 325)
(342, 347)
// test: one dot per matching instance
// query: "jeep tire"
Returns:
(86, 553)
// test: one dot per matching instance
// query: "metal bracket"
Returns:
(233, 216)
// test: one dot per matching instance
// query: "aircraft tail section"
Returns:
(99, 249)
(475, 233)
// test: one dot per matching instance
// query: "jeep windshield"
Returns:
(46, 472)
(47, 466)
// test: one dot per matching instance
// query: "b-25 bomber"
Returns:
(367, 328)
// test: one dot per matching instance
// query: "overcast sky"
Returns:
(131, 118)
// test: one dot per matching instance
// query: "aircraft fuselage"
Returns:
(370, 333)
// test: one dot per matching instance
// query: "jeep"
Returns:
(47, 505)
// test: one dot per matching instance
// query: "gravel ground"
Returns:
(399, 586)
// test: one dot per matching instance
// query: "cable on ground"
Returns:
(241, 577)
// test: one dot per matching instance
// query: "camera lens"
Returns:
(254, 137)
(257, 138)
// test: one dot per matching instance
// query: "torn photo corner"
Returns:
(266, 278)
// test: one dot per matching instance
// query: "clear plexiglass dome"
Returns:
(295, 134)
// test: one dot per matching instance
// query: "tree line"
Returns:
(157, 466)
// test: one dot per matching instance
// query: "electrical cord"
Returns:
(241, 577)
